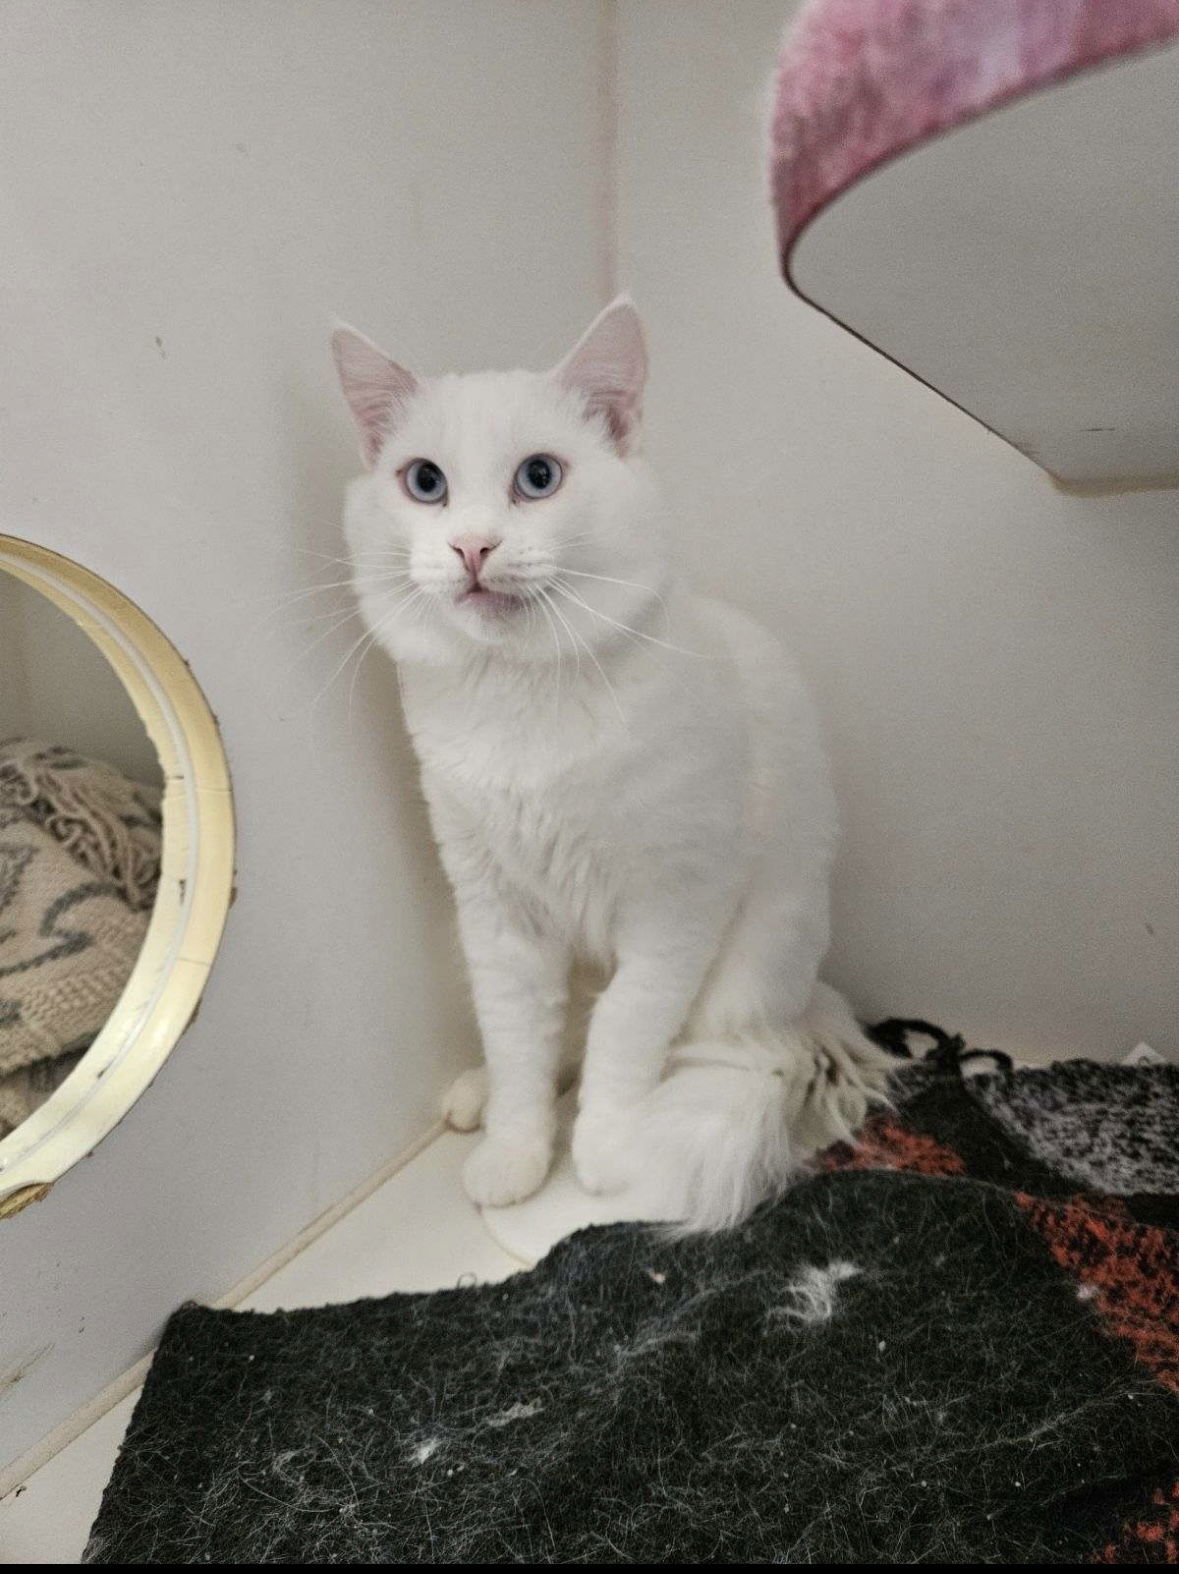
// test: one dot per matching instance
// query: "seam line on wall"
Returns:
(606, 194)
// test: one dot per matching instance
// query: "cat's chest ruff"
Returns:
(523, 753)
(545, 801)
(550, 835)
(534, 807)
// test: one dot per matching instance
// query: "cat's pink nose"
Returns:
(474, 551)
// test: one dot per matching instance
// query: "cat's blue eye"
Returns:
(539, 476)
(424, 482)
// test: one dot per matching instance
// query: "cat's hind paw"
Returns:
(463, 1102)
(603, 1151)
(505, 1170)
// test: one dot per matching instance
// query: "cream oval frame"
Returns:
(196, 879)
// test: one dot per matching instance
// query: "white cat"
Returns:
(614, 768)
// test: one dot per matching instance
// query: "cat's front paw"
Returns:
(503, 1170)
(463, 1101)
(603, 1150)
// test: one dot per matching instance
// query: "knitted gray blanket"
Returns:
(79, 864)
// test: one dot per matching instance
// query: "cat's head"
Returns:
(504, 510)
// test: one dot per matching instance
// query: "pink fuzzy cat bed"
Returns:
(862, 80)
(991, 263)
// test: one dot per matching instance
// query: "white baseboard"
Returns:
(41, 1453)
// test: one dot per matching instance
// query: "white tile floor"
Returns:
(416, 1232)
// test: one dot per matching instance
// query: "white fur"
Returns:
(615, 769)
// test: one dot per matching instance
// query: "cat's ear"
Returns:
(608, 367)
(376, 388)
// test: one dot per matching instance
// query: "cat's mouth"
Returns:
(491, 603)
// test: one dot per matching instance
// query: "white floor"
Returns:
(416, 1232)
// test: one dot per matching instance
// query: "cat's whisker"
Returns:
(391, 549)
(324, 557)
(534, 610)
(285, 600)
(308, 620)
(374, 635)
(363, 635)
(304, 591)
(380, 560)
(358, 568)
(376, 629)
(630, 584)
(592, 654)
(564, 622)
(542, 603)
(358, 650)
(679, 650)
(341, 619)
(302, 619)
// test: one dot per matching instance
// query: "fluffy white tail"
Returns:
(732, 1121)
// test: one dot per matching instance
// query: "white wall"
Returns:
(191, 190)
(999, 663)
(57, 686)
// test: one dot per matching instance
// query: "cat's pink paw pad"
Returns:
(603, 1153)
(463, 1101)
(502, 1171)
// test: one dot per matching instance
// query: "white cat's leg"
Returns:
(764, 972)
(519, 979)
(464, 1101)
(633, 1025)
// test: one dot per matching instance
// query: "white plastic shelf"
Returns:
(989, 195)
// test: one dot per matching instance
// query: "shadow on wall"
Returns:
(58, 687)
(80, 845)
(351, 681)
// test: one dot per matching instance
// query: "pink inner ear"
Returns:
(376, 388)
(619, 424)
(608, 367)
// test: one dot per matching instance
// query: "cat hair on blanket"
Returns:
(615, 769)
